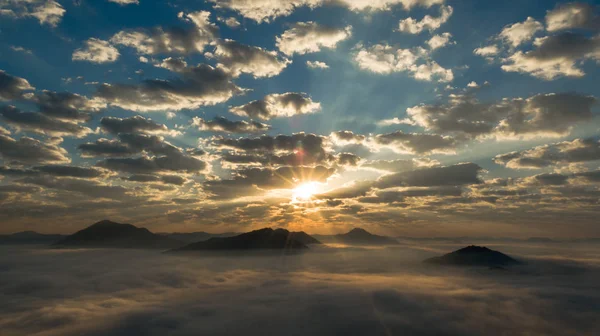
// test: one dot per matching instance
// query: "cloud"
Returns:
(439, 41)
(231, 22)
(47, 12)
(416, 143)
(239, 58)
(149, 165)
(91, 188)
(549, 115)
(222, 124)
(40, 123)
(561, 153)
(125, 2)
(96, 51)
(317, 65)
(166, 179)
(310, 37)
(487, 51)
(278, 105)
(455, 175)
(400, 165)
(66, 106)
(32, 151)
(521, 32)
(572, 15)
(197, 86)
(173, 40)
(555, 56)
(135, 124)
(384, 59)
(428, 22)
(12, 87)
(105, 147)
(346, 137)
(267, 10)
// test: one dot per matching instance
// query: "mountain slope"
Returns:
(474, 256)
(30, 237)
(110, 234)
(267, 238)
(359, 237)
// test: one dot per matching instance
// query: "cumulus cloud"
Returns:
(231, 22)
(310, 37)
(173, 40)
(561, 153)
(455, 175)
(40, 123)
(47, 12)
(572, 15)
(12, 87)
(384, 59)
(96, 51)
(87, 187)
(149, 165)
(54, 170)
(346, 137)
(487, 51)
(197, 86)
(278, 105)
(66, 106)
(428, 22)
(222, 124)
(416, 143)
(439, 41)
(31, 151)
(549, 115)
(400, 165)
(555, 56)
(317, 65)
(125, 2)
(521, 32)
(238, 58)
(135, 124)
(267, 10)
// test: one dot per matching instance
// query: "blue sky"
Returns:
(536, 88)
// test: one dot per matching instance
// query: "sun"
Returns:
(305, 191)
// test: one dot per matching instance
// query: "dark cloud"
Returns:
(167, 179)
(455, 175)
(31, 151)
(551, 179)
(417, 143)
(65, 105)
(105, 147)
(40, 123)
(12, 87)
(54, 170)
(149, 165)
(345, 137)
(348, 159)
(278, 105)
(135, 124)
(400, 164)
(551, 114)
(561, 153)
(172, 40)
(197, 86)
(222, 124)
(573, 15)
(91, 188)
(239, 58)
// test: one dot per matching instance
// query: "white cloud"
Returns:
(310, 37)
(439, 41)
(384, 59)
(126, 2)
(317, 65)
(428, 22)
(278, 105)
(96, 51)
(519, 33)
(572, 15)
(47, 12)
(239, 58)
(490, 50)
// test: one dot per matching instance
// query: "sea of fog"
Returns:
(325, 291)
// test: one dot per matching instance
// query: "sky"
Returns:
(404, 117)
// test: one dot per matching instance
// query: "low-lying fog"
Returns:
(326, 291)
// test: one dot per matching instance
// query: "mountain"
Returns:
(301, 236)
(110, 234)
(192, 237)
(359, 237)
(30, 237)
(267, 238)
(474, 256)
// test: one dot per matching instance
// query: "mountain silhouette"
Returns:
(192, 237)
(359, 237)
(300, 236)
(30, 237)
(266, 238)
(110, 234)
(474, 256)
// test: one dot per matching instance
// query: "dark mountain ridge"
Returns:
(263, 239)
(30, 237)
(474, 256)
(111, 234)
(358, 237)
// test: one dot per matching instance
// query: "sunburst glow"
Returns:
(305, 191)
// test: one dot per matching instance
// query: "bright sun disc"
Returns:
(305, 191)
